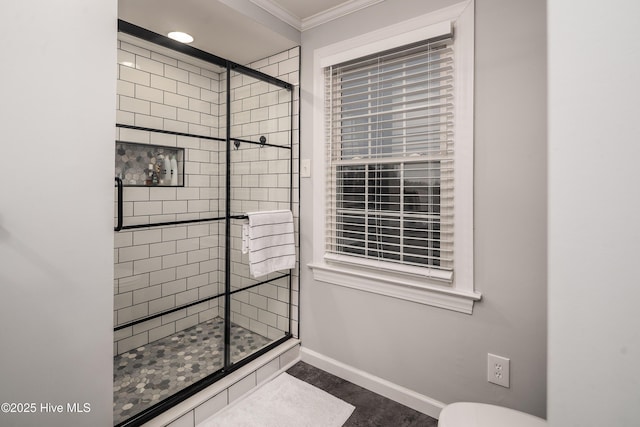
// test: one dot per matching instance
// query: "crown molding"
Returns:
(320, 18)
(336, 12)
(279, 12)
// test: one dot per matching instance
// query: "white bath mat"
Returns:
(283, 402)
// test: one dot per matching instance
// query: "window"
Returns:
(393, 153)
(389, 135)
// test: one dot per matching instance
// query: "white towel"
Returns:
(271, 242)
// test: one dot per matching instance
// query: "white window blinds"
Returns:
(390, 141)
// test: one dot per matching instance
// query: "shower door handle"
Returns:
(119, 185)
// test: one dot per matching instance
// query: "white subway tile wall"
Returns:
(161, 268)
(261, 180)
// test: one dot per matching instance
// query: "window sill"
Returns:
(397, 286)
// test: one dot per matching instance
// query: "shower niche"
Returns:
(187, 311)
(149, 165)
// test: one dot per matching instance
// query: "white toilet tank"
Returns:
(466, 414)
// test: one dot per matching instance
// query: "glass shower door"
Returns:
(169, 324)
(260, 180)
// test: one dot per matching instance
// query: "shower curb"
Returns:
(201, 406)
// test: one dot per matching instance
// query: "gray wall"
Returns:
(58, 85)
(594, 231)
(435, 352)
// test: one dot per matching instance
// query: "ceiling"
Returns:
(306, 9)
(240, 30)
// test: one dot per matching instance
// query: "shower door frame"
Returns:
(229, 366)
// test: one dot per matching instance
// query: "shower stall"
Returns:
(200, 141)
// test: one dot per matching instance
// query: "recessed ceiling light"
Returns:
(180, 36)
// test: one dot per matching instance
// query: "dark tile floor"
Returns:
(372, 410)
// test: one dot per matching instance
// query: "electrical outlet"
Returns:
(498, 370)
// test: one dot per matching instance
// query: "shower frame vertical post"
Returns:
(227, 251)
(291, 192)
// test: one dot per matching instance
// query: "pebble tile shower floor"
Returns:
(146, 375)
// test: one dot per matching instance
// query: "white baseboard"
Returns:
(395, 392)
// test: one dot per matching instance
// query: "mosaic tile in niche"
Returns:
(144, 165)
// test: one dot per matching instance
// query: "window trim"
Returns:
(460, 295)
